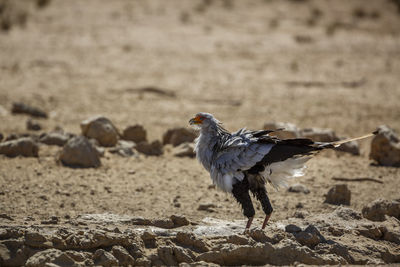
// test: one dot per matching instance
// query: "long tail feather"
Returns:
(341, 142)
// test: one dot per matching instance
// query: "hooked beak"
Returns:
(195, 120)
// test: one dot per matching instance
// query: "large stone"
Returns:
(178, 136)
(385, 147)
(54, 139)
(376, 210)
(292, 228)
(25, 146)
(101, 129)
(179, 220)
(135, 133)
(309, 237)
(104, 258)
(44, 257)
(122, 255)
(151, 149)
(166, 254)
(22, 108)
(338, 195)
(37, 240)
(289, 131)
(348, 214)
(5, 255)
(79, 152)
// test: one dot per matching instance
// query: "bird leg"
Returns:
(248, 224)
(265, 221)
(240, 191)
(261, 195)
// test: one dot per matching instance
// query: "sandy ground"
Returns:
(332, 64)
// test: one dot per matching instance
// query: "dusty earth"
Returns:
(328, 64)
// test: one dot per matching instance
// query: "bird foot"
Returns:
(266, 221)
(247, 230)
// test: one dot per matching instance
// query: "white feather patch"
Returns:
(279, 173)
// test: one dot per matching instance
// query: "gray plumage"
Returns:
(243, 161)
(228, 156)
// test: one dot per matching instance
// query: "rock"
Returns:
(292, 228)
(299, 188)
(239, 255)
(178, 136)
(122, 255)
(189, 239)
(14, 136)
(149, 239)
(25, 146)
(338, 195)
(123, 148)
(370, 231)
(392, 236)
(5, 255)
(79, 152)
(184, 150)
(376, 210)
(51, 220)
(63, 260)
(36, 240)
(183, 255)
(101, 129)
(33, 125)
(319, 134)
(207, 207)
(260, 236)
(179, 220)
(348, 214)
(301, 214)
(385, 147)
(6, 216)
(163, 223)
(146, 262)
(289, 131)
(153, 149)
(43, 257)
(84, 257)
(309, 237)
(54, 139)
(104, 258)
(1, 137)
(21, 108)
(140, 221)
(237, 240)
(135, 133)
(166, 254)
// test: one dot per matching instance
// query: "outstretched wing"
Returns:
(238, 152)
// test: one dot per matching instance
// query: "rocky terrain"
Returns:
(96, 156)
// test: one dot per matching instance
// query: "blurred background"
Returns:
(324, 63)
(148, 66)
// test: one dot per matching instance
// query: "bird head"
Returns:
(203, 120)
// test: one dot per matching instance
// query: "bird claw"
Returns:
(247, 230)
